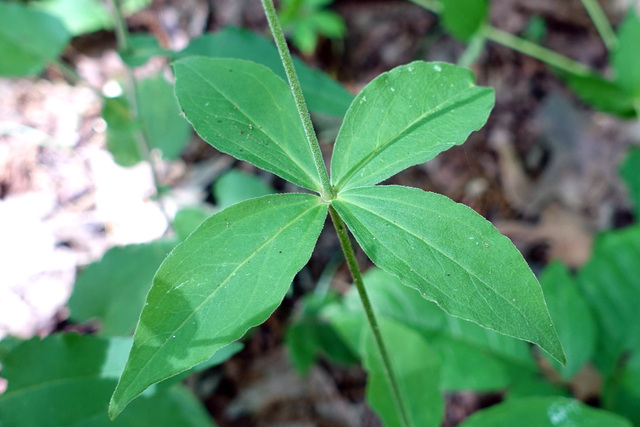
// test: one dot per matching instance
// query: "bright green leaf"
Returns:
(463, 18)
(160, 117)
(323, 94)
(245, 110)
(78, 16)
(571, 316)
(236, 186)
(544, 412)
(188, 219)
(121, 131)
(28, 39)
(66, 379)
(625, 58)
(404, 117)
(228, 276)
(113, 289)
(630, 172)
(453, 257)
(602, 94)
(417, 370)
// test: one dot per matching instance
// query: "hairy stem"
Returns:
(350, 256)
(326, 191)
(601, 22)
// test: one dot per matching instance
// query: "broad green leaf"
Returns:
(78, 16)
(188, 219)
(544, 412)
(416, 368)
(571, 316)
(463, 18)
(66, 380)
(625, 58)
(142, 48)
(113, 289)
(121, 131)
(453, 257)
(245, 110)
(605, 95)
(226, 277)
(630, 172)
(28, 39)
(323, 94)
(610, 282)
(404, 117)
(160, 117)
(236, 186)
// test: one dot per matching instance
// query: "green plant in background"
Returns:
(307, 20)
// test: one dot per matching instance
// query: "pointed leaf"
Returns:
(245, 110)
(28, 39)
(226, 277)
(601, 93)
(544, 412)
(404, 117)
(452, 256)
(625, 58)
(417, 370)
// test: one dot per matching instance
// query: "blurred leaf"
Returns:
(463, 18)
(28, 39)
(188, 219)
(625, 58)
(237, 186)
(536, 29)
(417, 370)
(323, 94)
(529, 384)
(600, 93)
(113, 289)
(66, 379)
(226, 277)
(121, 131)
(453, 257)
(78, 16)
(160, 115)
(405, 117)
(630, 172)
(610, 281)
(329, 24)
(142, 48)
(544, 412)
(243, 109)
(130, 7)
(571, 317)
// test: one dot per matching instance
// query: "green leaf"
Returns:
(323, 94)
(416, 368)
(228, 276)
(602, 94)
(113, 289)
(463, 18)
(236, 186)
(630, 173)
(625, 58)
(142, 48)
(610, 282)
(79, 17)
(66, 379)
(571, 316)
(188, 219)
(453, 257)
(28, 39)
(544, 412)
(404, 117)
(121, 131)
(245, 110)
(160, 117)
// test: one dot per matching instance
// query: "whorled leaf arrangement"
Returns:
(234, 270)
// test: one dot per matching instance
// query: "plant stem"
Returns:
(535, 51)
(601, 22)
(326, 192)
(144, 146)
(350, 256)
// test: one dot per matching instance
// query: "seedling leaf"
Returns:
(404, 117)
(625, 58)
(453, 257)
(226, 277)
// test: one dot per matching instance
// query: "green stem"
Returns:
(326, 192)
(144, 146)
(474, 49)
(601, 22)
(350, 256)
(535, 51)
